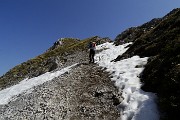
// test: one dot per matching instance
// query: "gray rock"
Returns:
(84, 93)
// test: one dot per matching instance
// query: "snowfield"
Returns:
(136, 105)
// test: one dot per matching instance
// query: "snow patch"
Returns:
(27, 85)
(137, 104)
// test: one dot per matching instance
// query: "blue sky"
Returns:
(29, 27)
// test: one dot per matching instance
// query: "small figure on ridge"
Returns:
(92, 47)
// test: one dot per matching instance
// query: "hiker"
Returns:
(92, 47)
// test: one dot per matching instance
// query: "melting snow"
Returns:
(7, 94)
(137, 104)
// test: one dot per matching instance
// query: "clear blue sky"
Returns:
(29, 27)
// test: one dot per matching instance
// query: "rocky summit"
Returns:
(86, 92)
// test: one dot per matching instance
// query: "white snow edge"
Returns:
(7, 94)
(137, 104)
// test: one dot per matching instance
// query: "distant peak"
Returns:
(63, 42)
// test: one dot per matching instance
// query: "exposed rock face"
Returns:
(162, 73)
(85, 93)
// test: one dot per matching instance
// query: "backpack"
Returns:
(92, 45)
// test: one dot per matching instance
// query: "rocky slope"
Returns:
(58, 56)
(85, 93)
(133, 33)
(162, 73)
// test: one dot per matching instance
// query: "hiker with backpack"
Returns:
(92, 47)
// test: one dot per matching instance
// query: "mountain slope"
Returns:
(84, 93)
(133, 33)
(162, 73)
(58, 56)
(158, 39)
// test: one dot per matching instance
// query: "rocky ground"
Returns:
(84, 93)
